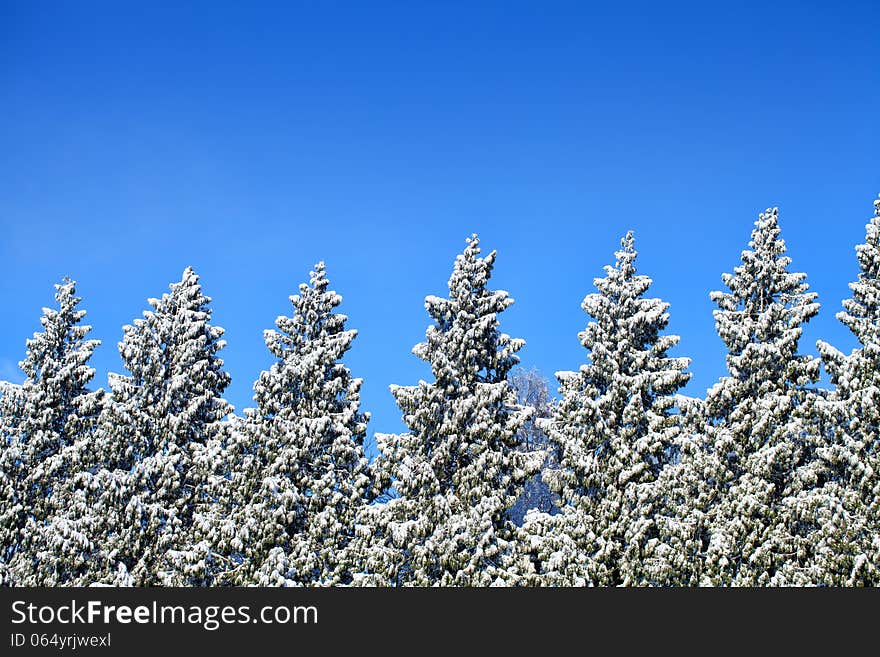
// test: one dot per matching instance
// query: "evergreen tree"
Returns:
(53, 409)
(12, 475)
(687, 492)
(759, 418)
(160, 437)
(532, 390)
(457, 471)
(305, 474)
(615, 429)
(849, 550)
(80, 546)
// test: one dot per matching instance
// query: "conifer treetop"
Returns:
(63, 336)
(625, 334)
(862, 310)
(309, 345)
(761, 318)
(615, 431)
(308, 474)
(465, 345)
(165, 347)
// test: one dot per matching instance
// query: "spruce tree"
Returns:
(55, 408)
(849, 551)
(532, 389)
(457, 471)
(759, 423)
(11, 477)
(687, 492)
(159, 436)
(304, 473)
(615, 429)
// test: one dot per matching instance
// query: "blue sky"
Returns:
(252, 139)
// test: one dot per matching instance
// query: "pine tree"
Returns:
(457, 471)
(849, 550)
(305, 475)
(686, 493)
(159, 438)
(615, 429)
(54, 409)
(759, 418)
(79, 541)
(532, 389)
(12, 476)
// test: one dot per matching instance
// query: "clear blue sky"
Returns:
(252, 139)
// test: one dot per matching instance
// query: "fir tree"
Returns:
(532, 390)
(305, 474)
(849, 550)
(457, 471)
(159, 436)
(54, 408)
(687, 492)
(615, 430)
(759, 418)
(12, 476)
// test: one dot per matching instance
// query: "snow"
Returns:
(770, 480)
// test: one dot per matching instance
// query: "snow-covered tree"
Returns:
(12, 475)
(849, 551)
(615, 429)
(160, 441)
(304, 475)
(458, 470)
(686, 492)
(47, 414)
(759, 419)
(532, 389)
